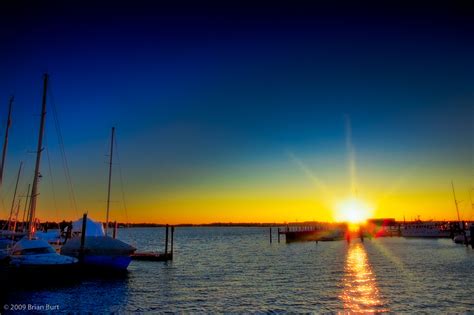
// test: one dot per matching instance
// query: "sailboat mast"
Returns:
(5, 143)
(34, 189)
(23, 223)
(110, 179)
(455, 201)
(16, 215)
(14, 197)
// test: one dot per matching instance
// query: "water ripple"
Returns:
(237, 270)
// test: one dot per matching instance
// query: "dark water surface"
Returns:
(237, 270)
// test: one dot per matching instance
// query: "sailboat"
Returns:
(31, 252)
(8, 237)
(463, 231)
(92, 245)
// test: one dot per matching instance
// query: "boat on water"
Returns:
(31, 252)
(7, 241)
(37, 252)
(90, 242)
(9, 234)
(460, 239)
(464, 233)
(97, 249)
(53, 237)
(426, 230)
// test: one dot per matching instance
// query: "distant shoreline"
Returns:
(53, 225)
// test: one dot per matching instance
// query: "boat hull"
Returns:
(45, 260)
(107, 261)
(426, 230)
(425, 235)
(100, 251)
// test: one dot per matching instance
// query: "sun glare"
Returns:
(353, 210)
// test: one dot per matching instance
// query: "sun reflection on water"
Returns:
(360, 292)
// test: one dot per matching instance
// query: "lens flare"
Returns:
(353, 210)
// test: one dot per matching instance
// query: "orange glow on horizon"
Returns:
(283, 199)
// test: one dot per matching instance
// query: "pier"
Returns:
(459, 232)
(159, 256)
(314, 232)
(301, 233)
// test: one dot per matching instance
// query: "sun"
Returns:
(353, 210)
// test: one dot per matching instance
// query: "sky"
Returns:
(241, 112)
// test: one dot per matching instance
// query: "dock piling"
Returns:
(157, 256)
(466, 241)
(114, 234)
(471, 230)
(166, 239)
(83, 236)
(270, 235)
(172, 241)
(278, 235)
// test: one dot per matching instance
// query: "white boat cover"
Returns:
(98, 245)
(93, 228)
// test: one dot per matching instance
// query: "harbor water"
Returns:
(235, 269)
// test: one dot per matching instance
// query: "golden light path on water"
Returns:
(360, 293)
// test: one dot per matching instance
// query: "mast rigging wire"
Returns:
(67, 174)
(52, 182)
(121, 180)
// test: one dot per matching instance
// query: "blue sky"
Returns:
(196, 90)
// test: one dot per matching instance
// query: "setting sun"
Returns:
(353, 210)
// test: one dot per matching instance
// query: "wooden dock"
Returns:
(152, 256)
(328, 232)
(302, 234)
(157, 256)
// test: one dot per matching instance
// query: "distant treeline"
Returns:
(55, 225)
(223, 224)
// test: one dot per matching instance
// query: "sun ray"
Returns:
(320, 185)
(351, 160)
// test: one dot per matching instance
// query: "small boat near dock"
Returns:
(96, 249)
